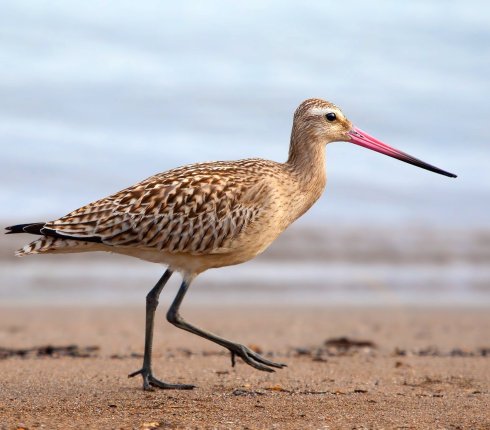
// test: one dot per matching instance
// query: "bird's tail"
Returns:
(47, 244)
(55, 245)
(32, 228)
(43, 244)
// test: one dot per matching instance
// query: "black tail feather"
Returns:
(38, 228)
(32, 228)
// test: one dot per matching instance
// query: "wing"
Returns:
(196, 209)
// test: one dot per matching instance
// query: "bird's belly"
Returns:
(185, 262)
(238, 251)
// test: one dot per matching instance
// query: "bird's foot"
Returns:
(150, 382)
(252, 358)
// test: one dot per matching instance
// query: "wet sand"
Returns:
(414, 368)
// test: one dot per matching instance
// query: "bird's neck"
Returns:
(306, 162)
(307, 159)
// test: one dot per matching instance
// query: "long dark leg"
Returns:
(151, 305)
(247, 355)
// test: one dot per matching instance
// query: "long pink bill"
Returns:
(361, 138)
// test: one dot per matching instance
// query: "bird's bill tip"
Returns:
(361, 138)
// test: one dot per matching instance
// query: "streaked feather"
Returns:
(194, 209)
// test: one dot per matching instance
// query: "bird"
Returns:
(209, 215)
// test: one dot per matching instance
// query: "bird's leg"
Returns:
(246, 354)
(149, 380)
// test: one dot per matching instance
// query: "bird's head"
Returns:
(322, 122)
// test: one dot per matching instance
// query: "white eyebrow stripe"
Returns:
(319, 111)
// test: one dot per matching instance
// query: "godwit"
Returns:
(209, 215)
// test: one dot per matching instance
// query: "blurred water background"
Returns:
(95, 96)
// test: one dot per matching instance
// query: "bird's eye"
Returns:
(331, 116)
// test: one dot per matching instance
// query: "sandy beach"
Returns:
(363, 368)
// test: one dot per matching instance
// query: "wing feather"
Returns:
(196, 209)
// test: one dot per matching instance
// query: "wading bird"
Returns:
(209, 215)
